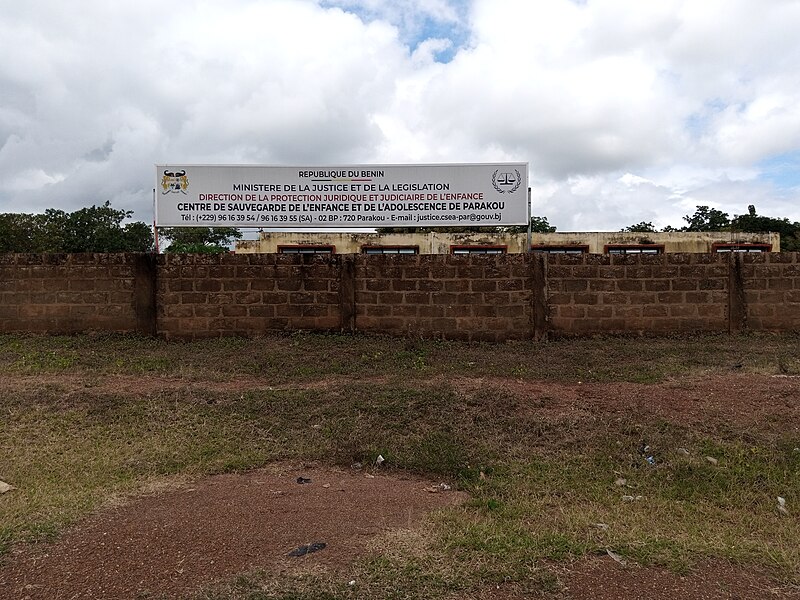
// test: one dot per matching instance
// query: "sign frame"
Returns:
(342, 196)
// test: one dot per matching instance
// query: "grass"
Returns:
(542, 485)
(306, 357)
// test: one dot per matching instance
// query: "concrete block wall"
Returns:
(771, 291)
(203, 295)
(638, 293)
(477, 297)
(72, 293)
(480, 298)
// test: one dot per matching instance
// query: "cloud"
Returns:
(606, 204)
(417, 21)
(279, 82)
(626, 110)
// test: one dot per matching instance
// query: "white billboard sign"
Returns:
(342, 196)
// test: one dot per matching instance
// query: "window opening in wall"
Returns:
(633, 249)
(390, 249)
(306, 249)
(566, 249)
(478, 249)
(720, 248)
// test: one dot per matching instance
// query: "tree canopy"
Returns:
(707, 219)
(752, 222)
(93, 229)
(538, 225)
(712, 219)
(207, 240)
(641, 227)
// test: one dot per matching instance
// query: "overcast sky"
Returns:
(626, 110)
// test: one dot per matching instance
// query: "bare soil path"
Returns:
(174, 542)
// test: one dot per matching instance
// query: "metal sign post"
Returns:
(528, 243)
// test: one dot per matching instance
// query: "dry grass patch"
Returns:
(538, 452)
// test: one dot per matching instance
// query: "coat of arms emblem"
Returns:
(174, 182)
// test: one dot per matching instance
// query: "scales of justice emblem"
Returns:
(506, 182)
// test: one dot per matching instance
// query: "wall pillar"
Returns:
(144, 293)
(347, 293)
(737, 307)
(539, 296)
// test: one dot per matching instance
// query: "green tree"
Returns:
(707, 219)
(99, 229)
(18, 232)
(138, 237)
(51, 231)
(642, 227)
(93, 229)
(755, 223)
(538, 225)
(207, 240)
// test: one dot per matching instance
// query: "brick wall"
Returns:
(474, 297)
(456, 297)
(638, 293)
(202, 295)
(771, 290)
(71, 293)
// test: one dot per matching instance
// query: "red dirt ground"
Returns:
(177, 541)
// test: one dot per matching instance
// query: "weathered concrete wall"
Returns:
(440, 243)
(352, 243)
